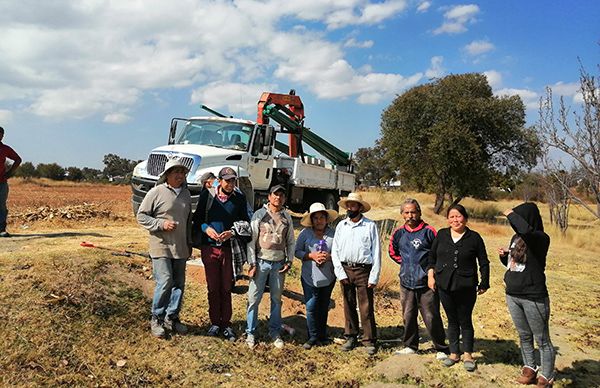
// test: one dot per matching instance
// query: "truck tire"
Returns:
(330, 202)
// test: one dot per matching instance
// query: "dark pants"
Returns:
(459, 309)
(3, 206)
(358, 280)
(219, 279)
(317, 309)
(428, 302)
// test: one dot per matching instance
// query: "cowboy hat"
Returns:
(355, 197)
(172, 163)
(315, 208)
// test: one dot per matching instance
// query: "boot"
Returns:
(543, 382)
(528, 376)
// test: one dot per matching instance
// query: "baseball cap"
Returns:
(277, 188)
(227, 173)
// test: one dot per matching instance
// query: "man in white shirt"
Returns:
(356, 257)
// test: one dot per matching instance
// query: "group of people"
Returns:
(434, 267)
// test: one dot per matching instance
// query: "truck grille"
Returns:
(156, 163)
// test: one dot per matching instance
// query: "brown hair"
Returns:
(519, 252)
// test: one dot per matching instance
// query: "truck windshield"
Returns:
(234, 136)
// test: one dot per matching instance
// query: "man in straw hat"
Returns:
(356, 258)
(313, 247)
(166, 213)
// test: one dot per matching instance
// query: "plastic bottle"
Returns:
(322, 246)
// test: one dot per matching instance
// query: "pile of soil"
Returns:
(73, 212)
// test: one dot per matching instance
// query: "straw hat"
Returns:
(172, 163)
(318, 207)
(355, 197)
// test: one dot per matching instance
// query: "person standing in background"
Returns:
(6, 153)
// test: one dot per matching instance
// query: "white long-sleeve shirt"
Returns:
(356, 243)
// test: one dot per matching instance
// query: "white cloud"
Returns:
(456, 18)
(117, 118)
(99, 60)
(478, 47)
(435, 70)
(424, 6)
(355, 43)
(568, 89)
(5, 117)
(494, 78)
(237, 98)
(530, 98)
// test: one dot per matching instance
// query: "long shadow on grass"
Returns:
(31, 236)
(499, 351)
(583, 373)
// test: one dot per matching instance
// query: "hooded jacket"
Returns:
(527, 280)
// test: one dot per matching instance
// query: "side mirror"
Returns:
(172, 131)
(267, 144)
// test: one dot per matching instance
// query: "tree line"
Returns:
(117, 169)
(454, 138)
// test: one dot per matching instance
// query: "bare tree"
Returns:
(576, 134)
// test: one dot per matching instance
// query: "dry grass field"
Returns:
(78, 316)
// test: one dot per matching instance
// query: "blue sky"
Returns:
(81, 79)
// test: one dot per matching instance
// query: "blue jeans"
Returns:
(531, 320)
(256, 288)
(317, 309)
(3, 207)
(169, 275)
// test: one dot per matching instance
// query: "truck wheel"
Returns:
(330, 202)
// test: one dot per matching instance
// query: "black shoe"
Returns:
(310, 343)
(371, 350)
(4, 233)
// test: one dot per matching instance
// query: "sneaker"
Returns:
(229, 334)
(441, 356)
(4, 234)
(213, 331)
(174, 325)
(405, 351)
(250, 341)
(278, 343)
(371, 350)
(348, 345)
(156, 327)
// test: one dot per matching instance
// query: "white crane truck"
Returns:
(207, 144)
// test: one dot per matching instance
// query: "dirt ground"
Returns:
(55, 245)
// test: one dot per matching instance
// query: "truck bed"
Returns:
(315, 174)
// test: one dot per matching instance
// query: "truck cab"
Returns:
(207, 144)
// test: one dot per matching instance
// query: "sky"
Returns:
(83, 78)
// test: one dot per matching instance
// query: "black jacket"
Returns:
(528, 281)
(455, 264)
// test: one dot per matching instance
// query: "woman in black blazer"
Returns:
(453, 260)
